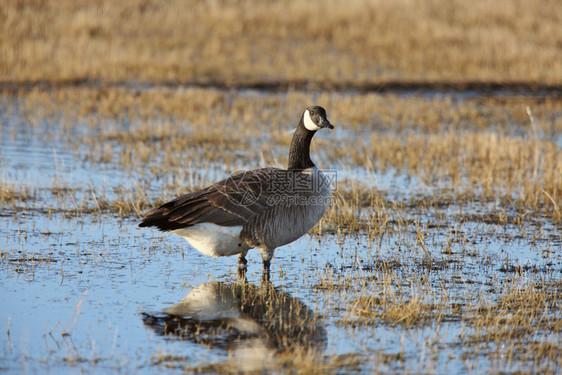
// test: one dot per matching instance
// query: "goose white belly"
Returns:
(214, 240)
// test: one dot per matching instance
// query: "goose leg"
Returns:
(266, 255)
(242, 262)
(242, 273)
(266, 274)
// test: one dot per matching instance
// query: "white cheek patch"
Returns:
(308, 123)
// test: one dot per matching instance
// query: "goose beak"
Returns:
(326, 124)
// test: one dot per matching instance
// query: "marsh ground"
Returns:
(440, 252)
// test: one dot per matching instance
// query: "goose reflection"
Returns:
(246, 320)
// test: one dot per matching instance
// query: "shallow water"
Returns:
(86, 292)
(98, 290)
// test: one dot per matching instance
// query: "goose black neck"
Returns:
(299, 152)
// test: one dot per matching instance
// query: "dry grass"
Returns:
(520, 311)
(259, 41)
(246, 113)
(476, 149)
(523, 324)
(12, 193)
(514, 322)
(515, 169)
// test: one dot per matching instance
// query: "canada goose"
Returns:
(263, 208)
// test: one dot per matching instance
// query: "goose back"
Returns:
(230, 202)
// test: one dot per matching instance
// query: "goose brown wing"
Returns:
(231, 202)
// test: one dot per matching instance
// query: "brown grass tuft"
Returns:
(261, 41)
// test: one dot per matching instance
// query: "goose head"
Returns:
(315, 118)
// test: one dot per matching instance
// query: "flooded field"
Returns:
(441, 252)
